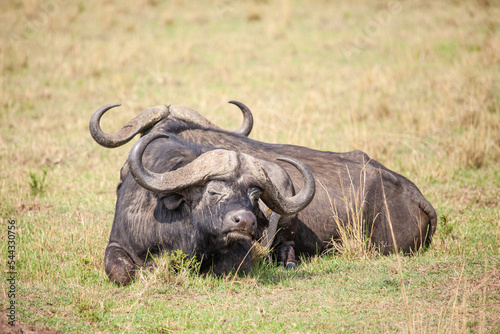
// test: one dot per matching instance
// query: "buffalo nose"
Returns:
(244, 221)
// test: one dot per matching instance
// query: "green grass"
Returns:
(422, 96)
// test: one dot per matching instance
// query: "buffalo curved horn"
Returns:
(219, 163)
(247, 125)
(272, 197)
(149, 117)
(138, 124)
(208, 165)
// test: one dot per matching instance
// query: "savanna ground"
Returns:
(415, 84)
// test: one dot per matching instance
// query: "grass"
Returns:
(418, 89)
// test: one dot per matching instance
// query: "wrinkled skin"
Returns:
(216, 222)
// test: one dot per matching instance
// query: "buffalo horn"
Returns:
(247, 125)
(150, 116)
(272, 196)
(208, 165)
(138, 124)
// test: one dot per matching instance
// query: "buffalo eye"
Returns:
(215, 196)
(214, 193)
(171, 201)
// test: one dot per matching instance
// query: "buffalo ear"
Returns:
(172, 200)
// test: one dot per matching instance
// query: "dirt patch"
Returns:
(22, 328)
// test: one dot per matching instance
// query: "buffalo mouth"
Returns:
(238, 236)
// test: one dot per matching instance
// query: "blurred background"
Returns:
(415, 84)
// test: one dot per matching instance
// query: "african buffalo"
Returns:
(194, 198)
(350, 186)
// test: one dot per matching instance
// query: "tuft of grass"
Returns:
(37, 183)
(445, 225)
(175, 269)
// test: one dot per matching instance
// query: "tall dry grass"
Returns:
(354, 240)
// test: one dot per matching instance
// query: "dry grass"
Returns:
(415, 85)
(355, 240)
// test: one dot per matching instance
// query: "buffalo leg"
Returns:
(285, 255)
(119, 265)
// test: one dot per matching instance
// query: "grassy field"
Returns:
(415, 84)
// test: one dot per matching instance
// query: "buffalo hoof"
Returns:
(286, 256)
